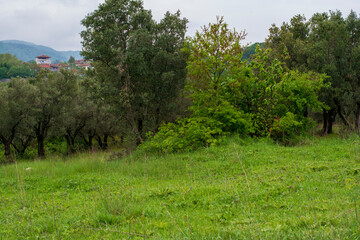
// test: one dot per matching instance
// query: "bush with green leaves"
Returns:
(212, 117)
(268, 91)
(229, 96)
(287, 128)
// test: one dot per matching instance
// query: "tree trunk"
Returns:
(90, 142)
(70, 144)
(139, 139)
(157, 114)
(105, 143)
(7, 145)
(357, 119)
(41, 148)
(306, 113)
(325, 123)
(23, 145)
(329, 119)
(136, 127)
(342, 117)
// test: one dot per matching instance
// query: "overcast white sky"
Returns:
(56, 23)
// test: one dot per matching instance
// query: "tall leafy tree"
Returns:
(214, 55)
(77, 112)
(138, 62)
(55, 91)
(326, 43)
(288, 42)
(353, 56)
(15, 110)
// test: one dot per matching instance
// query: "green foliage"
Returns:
(251, 50)
(327, 43)
(212, 118)
(138, 62)
(212, 105)
(15, 111)
(71, 60)
(232, 97)
(214, 56)
(185, 135)
(10, 67)
(286, 129)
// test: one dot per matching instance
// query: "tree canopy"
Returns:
(229, 96)
(326, 43)
(138, 61)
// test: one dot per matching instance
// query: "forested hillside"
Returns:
(26, 51)
(250, 50)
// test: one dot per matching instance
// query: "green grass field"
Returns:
(242, 189)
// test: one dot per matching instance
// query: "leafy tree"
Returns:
(214, 55)
(137, 61)
(71, 60)
(10, 66)
(55, 90)
(353, 62)
(15, 108)
(77, 112)
(288, 42)
(326, 43)
(259, 98)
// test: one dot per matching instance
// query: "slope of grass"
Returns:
(243, 189)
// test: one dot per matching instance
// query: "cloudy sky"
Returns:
(56, 23)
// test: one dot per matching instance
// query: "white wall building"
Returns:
(43, 59)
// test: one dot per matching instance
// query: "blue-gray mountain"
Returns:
(26, 51)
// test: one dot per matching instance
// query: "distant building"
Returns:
(81, 61)
(43, 59)
(83, 64)
(45, 65)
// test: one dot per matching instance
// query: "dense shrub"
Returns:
(260, 98)
(209, 121)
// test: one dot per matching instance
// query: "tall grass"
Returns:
(242, 189)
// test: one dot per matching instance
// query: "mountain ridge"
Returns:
(27, 51)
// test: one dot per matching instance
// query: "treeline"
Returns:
(52, 105)
(139, 73)
(258, 98)
(150, 86)
(10, 67)
(326, 43)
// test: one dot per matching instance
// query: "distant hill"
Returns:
(26, 51)
(250, 50)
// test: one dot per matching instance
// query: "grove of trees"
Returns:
(138, 63)
(151, 86)
(326, 43)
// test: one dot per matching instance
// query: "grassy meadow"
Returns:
(242, 189)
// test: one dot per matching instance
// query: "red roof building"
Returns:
(44, 65)
(43, 59)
